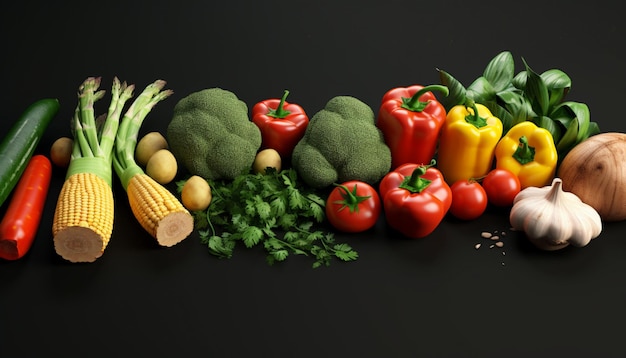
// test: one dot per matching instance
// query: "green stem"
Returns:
(76, 148)
(350, 199)
(211, 227)
(87, 97)
(524, 153)
(280, 111)
(134, 126)
(121, 93)
(295, 248)
(416, 183)
(475, 119)
(124, 162)
(139, 102)
(415, 105)
(81, 140)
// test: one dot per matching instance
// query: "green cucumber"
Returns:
(20, 142)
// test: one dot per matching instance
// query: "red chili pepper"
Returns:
(282, 124)
(416, 198)
(21, 220)
(410, 119)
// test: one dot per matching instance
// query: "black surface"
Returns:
(435, 297)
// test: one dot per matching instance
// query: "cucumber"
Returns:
(19, 144)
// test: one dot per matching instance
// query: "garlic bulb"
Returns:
(553, 219)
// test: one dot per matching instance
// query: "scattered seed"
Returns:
(499, 244)
(495, 237)
(503, 253)
(477, 246)
(486, 235)
(491, 246)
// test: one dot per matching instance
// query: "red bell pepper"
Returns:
(282, 124)
(410, 119)
(19, 225)
(416, 198)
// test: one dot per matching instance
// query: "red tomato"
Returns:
(469, 200)
(353, 206)
(501, 186)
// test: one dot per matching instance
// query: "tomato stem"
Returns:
(350, 198)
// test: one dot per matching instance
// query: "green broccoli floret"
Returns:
(212, 136)
(342, 143)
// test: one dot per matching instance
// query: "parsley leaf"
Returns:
(271, 209)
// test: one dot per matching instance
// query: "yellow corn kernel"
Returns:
(83, 219)
(158, 211)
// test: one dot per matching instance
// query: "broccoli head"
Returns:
(342, 143)
(212, 136)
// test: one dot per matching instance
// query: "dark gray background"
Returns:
(435, 297)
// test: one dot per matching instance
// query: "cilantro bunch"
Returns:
(272, 209)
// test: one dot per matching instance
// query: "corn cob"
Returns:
(83, 218)
(156, 209)
(82, 228)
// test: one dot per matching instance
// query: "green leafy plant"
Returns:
(527, 96)
(273, 210)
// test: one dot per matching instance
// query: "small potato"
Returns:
(196, 194)
(162, 166)
(267, 158)
(148, 145)
(61, 151)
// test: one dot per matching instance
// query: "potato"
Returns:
(162, 166)
(196, 194)
(148, 145)
(61, 151)
(267, 158)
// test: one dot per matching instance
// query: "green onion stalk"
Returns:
(92, 151)
(124, 162)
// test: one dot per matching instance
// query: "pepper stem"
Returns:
(416, 183)
(280, 111)
(415, 105)
(475, 119)
(350, 199)
(524, 153)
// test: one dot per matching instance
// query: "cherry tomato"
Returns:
(469, 199)
(501, 186)
(353, 206)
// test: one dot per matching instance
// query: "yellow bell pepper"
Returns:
(529, 152)
(468, 140)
